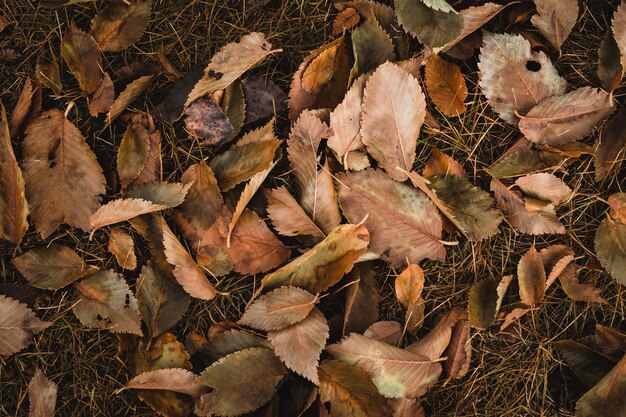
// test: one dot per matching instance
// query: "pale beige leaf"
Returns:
(63, 177)
(80, 52)
(317, 193)
(545, 186)
(395, 372)
(610, 245)
(576, 290)
(121, 245)
(27, 108)
(279, 309)
(203, 202)
(13, 204)
(618, 27)
(132, 155)
(532, 277)
(437, 340)
(514, 209)
(555, 19)
(18, 324)
(230, 62)
(300, 345)
(446, 86)
(51, 267)
(120, 25)
(288, 217)
(506, 81)
(394, 109)
(403, 222)
(126, 97)
(170, 379)
(42, 395)
(104, 301)
(386, 331)
(566, 118)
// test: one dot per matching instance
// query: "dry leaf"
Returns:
(263, 99)
(608, 397)
(13, 204)
(618, 26)
(27, 108)
(617, 203)
(514, 209)
(152, 170)
(405, 407)
(120, 25)
(279, 309)
(170, 379)
(386, 331)
(321, 69)
(208, 121)
(513, 78)
(395, 372)
(545, 186)
(576, 290)
(446, 86)
(459, 351)
(403, 223)
(555, 258)
(122, 246)
(300, 345)
(484, 301)
(51, 267)
(611, 342)
(242, 382)
(610, 71)
(42, 394)
(555, 19)
(566, 118)
(81, 54)
(229, 63)
(323, 265)
(610, 245)
(63, 177)
(126, 97)
(288, 217)
(345, 20)
(133, 153)
(317, 192)
(409, 285)
(349, 391)
(610, 145)
(433, 22)
(18, 324)
(437, 340)
(522, 159)
(588, 364)
(532, 277)
(371, 46)
(394, 108)
(103, 97)
(362, 298)
(473, 19)
(203, 201)
(104, 301)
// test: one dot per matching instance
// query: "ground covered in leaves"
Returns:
(517, 372)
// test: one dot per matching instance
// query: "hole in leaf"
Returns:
(533, 66)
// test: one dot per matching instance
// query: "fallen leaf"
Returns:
(446, 86)
(395, 372)
(545, 186)
(532, 277)
(393, 102)
(555, 258)
(608, 397)
(152, 170)
(263, 99)
(610, 70)
(485, 299)
(242, 382)
(279, 308)
(229, 63)
(349, 391)
(473, 19)
(371, 46)
(325, 264)
(119, 25)
(169, 379)
(203, 201)
(300, 345)
(122, 246)
(617, 203)
(433, 22)
(126, 97)
(47, 73)
(231, 341)
(362, 299)
(576, 290)
(459, 351)
(433, 344)
(63, 177)
(13, 204)
(18, 324)
(104, 96)
(42, 394)
(610, 145)
(208, 121)
(506, 80)
(27, 108)
(611, 342)
(233, 104)
(51, 267)
(610, 245)
(618, 24)
(566, 118)
(345, 20)
(555, 19)
(60, 3)
(522, 159)
(322, 68)
(288, 217)
(405, 407)
(133, 154)
(588, 365)
(404, 224)
(81, 54)
(409, 285)
(386, 331)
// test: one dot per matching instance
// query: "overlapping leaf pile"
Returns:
(353, 198)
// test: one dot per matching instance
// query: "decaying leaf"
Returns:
(42, 394)
(437, 340)
(576, 290)
(371, 46)
(545, 186)
(288, 217)
(532, 277)
(618, 24)
(13, 204)
(203, 201)
(63, 177)
(395, 372)
(484, 301)
(608, 397)
(555, 19)
(104, 301)
(104, 96)
(610, 245)
(611, 145)
(610, 70)
(27, 108)
(587, 363)
(446, 86)
(133, 153)
(394, 109)
(18, 324)
(208, 121)
(404, 224)
(345, 20)
(120, 24)
(126, 97)
(349, 391)
(242, 382)
(386, 331)
(263, 99)
(362, 298)
(432, 22)
(279, 308)
(409, 285)
(473, 19)
(325, 264)
(169, 379)
(122, 246)
(152, 170)
(522, 159)
(80, 52)
(566, 118)
(51, 267)
(513, 78)
(459, 351)
(617, 203)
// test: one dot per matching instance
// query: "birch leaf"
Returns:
(18, 324)
(362, 299)
(474, 18)
(545, 186)
(435, 342)
(63, 177)
(618, 26)
(42, 394)
(47, 72)
(432, 22)
(80, 52)
(372, 47)
(446, 86)
(386, 331)
(555, 19)
(617, 203)
(51, 267)
(27, 108)
(104, 96)
(288, 217)
(610, 245)
(169, 379)
(126, 97)
(279, 308)
(532, 277)
(206, 119)
(484, 301)
(203, 202)
(121, 245)
(133, 153)
(119, 25)
(576, 290)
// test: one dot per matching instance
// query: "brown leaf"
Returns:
(522, 159)
(566, 118)
(325, 264)
(555, 258)
(288, 217)
(532, 277)
(345, 20)
(203, 202)
(608, 397)
(409, 285)
(170, 379)
(405, 407)
(443, 165)
(263, 99)
(126, 97)
(514, 209)
(610, 245)
(208, 121)
(42, 394)
(212, 251)
(485, 299)
(152, 170)
(103, 97)
(349, 391)
(617, 203)
(577, 291)
(133, 153)
(13, 204)
(473, 19)
(555, 19)
(300, 345)
(610, 70)
(371, 46)
(230, 62)
(506, 80)
(610, 145)
(47, 73)
(317, 192)
(446, 86)
(362, 298)
(321, 69)
(393, 102)
(433, 22)
(18, 324)
(459, 351)
(437, 340)
(120, 25)
(386, 331)
(611, 342)
(395, 372)
(253, 246)
(545, 186)
(618, 24)
(81, 54)
(242, 382)
(63, 177)
(122, 246)
(51, 267)
(27, 108)
(104, 301)
(279, 309)
(403, 223)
